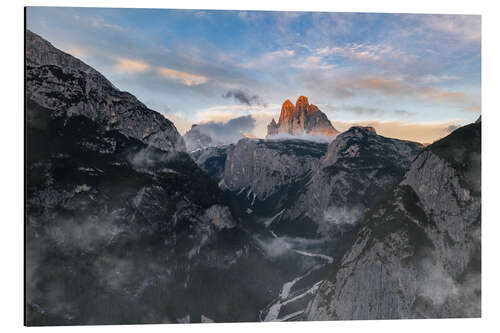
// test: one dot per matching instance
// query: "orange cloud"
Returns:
(125, 65)
(419, 132)
(187, 78)
(130, 66)
(396, 87)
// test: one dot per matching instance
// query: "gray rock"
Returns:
(65, 85)
(359, 166)
(263, 166)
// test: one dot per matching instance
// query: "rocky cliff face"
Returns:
(65, 85)
(261, 167)
(418, 254)
(301, 118)
(358, 167)
(111, 222)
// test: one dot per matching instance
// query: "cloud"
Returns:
(437, 285)
(350, 85)
(360, 51)
(243, 97)
(274, 247)
(97, 22)
(187, 78)
(302, 136)
(419, 132)
(269, 58)
(229, 131)
(130, 66)
(430, 78)
(262, 114)
(312, 63)
(404, 113)
(362, 110)
(464, 27)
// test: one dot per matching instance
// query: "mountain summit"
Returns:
(301, 118)
(66, 86)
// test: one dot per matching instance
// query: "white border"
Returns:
(11, 139)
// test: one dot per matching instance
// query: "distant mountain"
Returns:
(301, 118)
(418, 254)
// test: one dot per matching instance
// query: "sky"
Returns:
(414, 77)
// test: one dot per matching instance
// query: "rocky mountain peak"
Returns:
(361, 130)
(302, 102)
(66, 86)
(287, 110)
(301, 118)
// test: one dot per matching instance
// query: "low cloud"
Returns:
(443, 291)
(274, 247)
(302, 136)
(262, 114)
(362, 110)
(243, 97)
(229, 131)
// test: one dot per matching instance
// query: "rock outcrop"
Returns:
(64, 84)
(301, 118)
(262, 167)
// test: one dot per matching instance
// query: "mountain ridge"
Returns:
(65, 84)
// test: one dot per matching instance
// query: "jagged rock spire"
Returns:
(301, 118)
